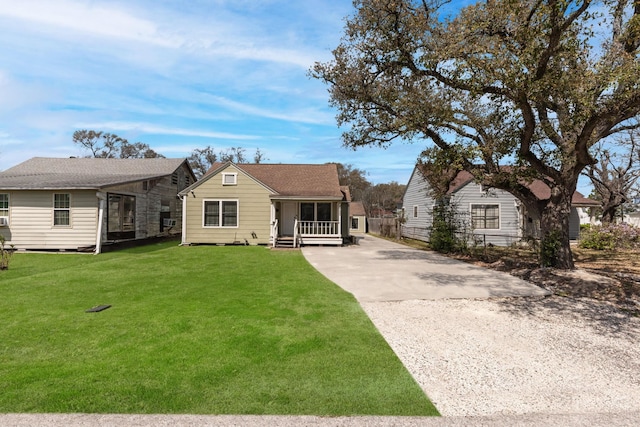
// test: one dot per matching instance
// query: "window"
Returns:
(485, 217)
(4, 204)
(307, 211)
(315, 211)
(415, 212)
(121, 217)
(355, 223)
(62, 209)
(229, 178)
(324, 211)
(220, 213)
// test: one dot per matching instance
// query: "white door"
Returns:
(289, 212)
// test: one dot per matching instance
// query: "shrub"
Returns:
(610, 237)
(5, 254)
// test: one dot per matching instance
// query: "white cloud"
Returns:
(160, 130)
(89, 18)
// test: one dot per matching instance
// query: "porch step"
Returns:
(284, 242)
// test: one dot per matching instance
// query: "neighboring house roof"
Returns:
(288, 180)
(537, 187)
(357, 209)
(42, 173)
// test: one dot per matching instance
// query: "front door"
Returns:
(289, 212)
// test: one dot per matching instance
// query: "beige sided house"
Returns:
(358, 218)
(281, 205)
(83, 203)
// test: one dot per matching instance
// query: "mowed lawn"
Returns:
(202, 330)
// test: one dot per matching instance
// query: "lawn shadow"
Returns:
(142, 246)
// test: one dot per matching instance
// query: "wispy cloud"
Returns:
(161, 130)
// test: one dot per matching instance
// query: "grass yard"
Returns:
(201, 330)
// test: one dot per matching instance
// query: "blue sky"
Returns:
(177, 76)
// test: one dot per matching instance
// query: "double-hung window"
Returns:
(4, 204)
(220, 213)
(61, 209)
(485, 217)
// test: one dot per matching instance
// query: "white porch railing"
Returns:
(319, 228)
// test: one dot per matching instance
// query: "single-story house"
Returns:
(83, 203)
(281, 205)
(357, 218)
(495, 216)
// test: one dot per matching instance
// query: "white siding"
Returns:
(31, 221)
(416, 196)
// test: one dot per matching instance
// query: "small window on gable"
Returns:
(415, 212)
(229, 179)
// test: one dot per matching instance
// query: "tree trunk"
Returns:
(608, 214)
(555, 250)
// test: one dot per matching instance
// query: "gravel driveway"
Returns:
(516, 356)
(498, 355)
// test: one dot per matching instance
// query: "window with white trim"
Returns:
(485, 217)
(229, 179)
(415, 212)
(220, 213)
(4, 204)
(355, 223)
(61, 209)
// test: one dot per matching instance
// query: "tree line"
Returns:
(107, 145)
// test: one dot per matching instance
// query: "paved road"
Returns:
(379, 270)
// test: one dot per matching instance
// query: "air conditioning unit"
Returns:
(169, 222)
(4, 221)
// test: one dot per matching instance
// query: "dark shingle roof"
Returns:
(537, 187)
(42, 173)
(293, 180)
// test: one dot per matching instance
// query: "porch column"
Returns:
(272, 221)
(340, 219)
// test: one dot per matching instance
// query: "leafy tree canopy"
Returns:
(533, 84)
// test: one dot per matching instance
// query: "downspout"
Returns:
(184, 219)
(103, 200)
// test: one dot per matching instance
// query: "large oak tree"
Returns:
(532, 84)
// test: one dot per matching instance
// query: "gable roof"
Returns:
(357, 209)
(537, 187)
(43, 173)
(288, 180)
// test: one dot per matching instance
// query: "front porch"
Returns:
(320, 224)
(308, 233)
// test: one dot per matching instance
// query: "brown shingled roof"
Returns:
(356, 209)
(294, 180)
(538, 187)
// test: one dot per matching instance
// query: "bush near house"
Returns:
(610, 237)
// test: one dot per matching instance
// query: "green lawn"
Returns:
(202, 330)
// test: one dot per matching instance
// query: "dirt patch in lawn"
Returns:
(611, 276)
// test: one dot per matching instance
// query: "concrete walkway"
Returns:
(380, 270)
